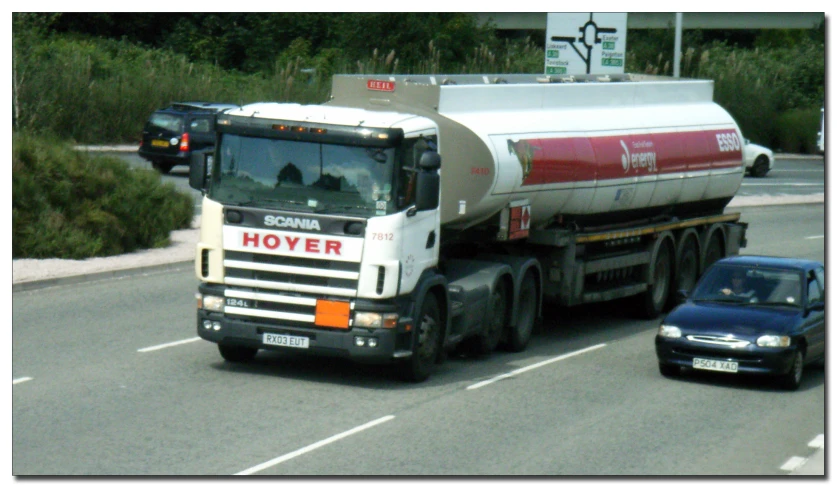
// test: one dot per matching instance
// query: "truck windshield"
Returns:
(303, 176)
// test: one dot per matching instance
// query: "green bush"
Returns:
(798, 131)
(71, 205)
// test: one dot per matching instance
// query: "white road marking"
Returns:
(533, 366)
(170, 344)
(316, 445)
(20, 380)
(793, 463)
(815, 237)
(818, 442)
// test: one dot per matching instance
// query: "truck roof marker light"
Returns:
(383, 135)
(299, 128)
(318, 131)
(281, 127)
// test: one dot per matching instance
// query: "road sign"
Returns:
(585, 43)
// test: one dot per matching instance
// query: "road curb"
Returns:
(102, 275)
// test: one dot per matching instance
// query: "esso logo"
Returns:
(728, 141)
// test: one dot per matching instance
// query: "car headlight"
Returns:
(669, 331)
(372, 320)
(773, 341)
(210, 302)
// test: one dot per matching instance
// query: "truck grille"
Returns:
(285, 288)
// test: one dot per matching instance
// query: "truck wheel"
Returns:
(497, 314)
(528, 300)
(425, 343)
(793, 378)
(655, 297)
(237, 354)
(760, 167)
(163, 168)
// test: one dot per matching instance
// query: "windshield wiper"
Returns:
(351, 208)
(780, 304)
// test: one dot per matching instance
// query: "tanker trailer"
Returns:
(409, 215)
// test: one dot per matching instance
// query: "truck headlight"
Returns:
(773, 341)
(372, 320)
(210, 302)
(669, 331)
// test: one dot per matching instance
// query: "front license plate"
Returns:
(285, 340)
(159, 143)
(715, 365)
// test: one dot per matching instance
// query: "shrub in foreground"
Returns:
(73, 205)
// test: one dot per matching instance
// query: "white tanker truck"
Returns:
(409, 215)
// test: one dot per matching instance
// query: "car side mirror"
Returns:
(200, 167)
(681, 296)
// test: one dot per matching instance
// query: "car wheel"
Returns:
(426, 342)
(519, 336)
(163, 168)
(669, 370)
(760, 167)
(237, 354)
(792, 379)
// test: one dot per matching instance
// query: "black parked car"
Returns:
(749, 314)
(172, 133)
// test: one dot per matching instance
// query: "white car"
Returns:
(758, 160)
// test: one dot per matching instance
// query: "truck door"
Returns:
(420, 242)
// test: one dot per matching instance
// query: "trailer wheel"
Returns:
(425, 343)
(655, 297)
(497, 315)
(528, 300)
(237, 354)
(688, 266)
(714, 252)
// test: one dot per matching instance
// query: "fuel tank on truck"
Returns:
(584, 149)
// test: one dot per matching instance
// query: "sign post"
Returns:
(585, 43)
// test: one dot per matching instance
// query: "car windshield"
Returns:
(750, 286)
(304, 176)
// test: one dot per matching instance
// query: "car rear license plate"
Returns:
(285, 340)
(715, 365)
(159, 143)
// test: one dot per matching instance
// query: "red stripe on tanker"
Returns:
(575, 159)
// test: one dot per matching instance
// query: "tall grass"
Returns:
(100, 91)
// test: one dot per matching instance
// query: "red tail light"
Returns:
(184, 142)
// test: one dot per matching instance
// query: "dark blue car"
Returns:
(749, 314)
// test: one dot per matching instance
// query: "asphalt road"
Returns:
(109, 379)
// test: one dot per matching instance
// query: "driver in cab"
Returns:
(738, 286)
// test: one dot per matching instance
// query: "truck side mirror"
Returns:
(428, 183)
(200, 164)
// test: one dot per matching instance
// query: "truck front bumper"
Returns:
(390, 344)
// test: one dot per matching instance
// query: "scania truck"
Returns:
(411, 215)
